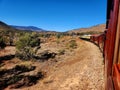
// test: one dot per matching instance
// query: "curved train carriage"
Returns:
(109, 42)
(98, 40)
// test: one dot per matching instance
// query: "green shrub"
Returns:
(73, 44)
(61, 52)
(59, 35)
(25, 46)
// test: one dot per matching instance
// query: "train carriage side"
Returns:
(109, 42)
(116, 58)
(112, 44)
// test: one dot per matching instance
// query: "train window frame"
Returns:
(118, 28)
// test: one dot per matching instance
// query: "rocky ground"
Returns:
(81, 68)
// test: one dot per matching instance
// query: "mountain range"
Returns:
(28, 28)
(4, 26)
(91, 30)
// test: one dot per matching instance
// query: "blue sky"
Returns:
(58, 15)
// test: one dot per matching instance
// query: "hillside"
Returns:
(91, 30)
(28, 28)
(4, 26)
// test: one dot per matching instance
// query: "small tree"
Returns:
(25, 46)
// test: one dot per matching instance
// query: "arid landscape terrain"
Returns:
(60, 61)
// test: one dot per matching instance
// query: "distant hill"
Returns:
(91, 30)
(4, 26)
(29, 28)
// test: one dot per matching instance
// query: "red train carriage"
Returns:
(109, 41)
(98, 40)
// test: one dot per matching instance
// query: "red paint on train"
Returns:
(109, 43)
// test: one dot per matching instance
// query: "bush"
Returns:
(25, 46)
(2, 42)
(73, 44)
(61, 52)
(59, 35)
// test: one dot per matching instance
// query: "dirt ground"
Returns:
(83, 70)
(78, 69)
